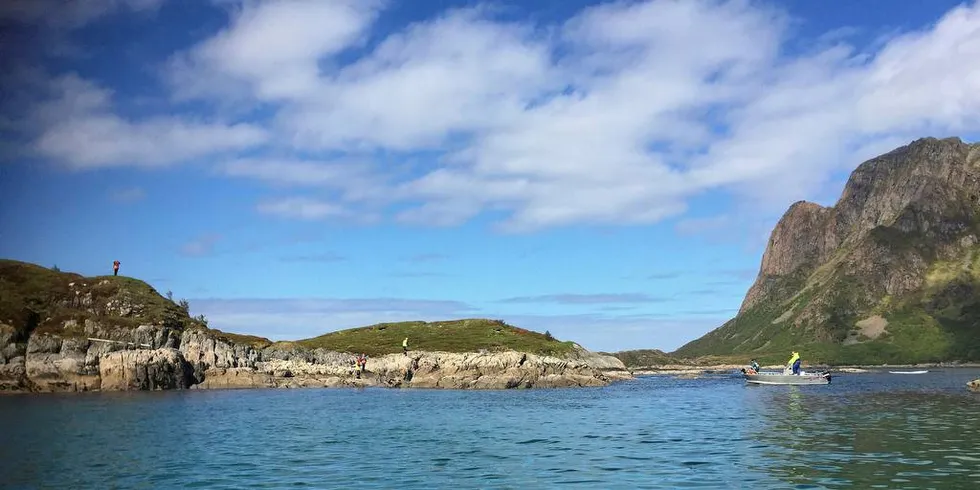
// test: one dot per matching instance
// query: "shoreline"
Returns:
(204, 362)
(680, 369)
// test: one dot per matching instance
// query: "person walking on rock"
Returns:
(115, 267)
(405, 346)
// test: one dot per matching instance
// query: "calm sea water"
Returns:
(862, 431)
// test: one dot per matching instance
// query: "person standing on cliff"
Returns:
(115, 267)
(405, 346)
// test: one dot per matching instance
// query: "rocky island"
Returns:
(62, 332)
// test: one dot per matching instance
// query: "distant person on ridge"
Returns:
(115, 267)
(794, 362)
(405, 346)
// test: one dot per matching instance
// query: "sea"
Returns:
(863, 431)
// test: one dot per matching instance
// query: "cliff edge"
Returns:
(889, 274)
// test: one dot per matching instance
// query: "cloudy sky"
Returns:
(608, 171)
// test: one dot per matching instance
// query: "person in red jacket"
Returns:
(115, 267)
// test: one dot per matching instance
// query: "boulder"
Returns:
(159, 369)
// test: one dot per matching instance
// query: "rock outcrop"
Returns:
(900, 249)
(158, 369)
(500, 370)
(205, 361)
(63, 333)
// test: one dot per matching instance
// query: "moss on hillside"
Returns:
(467, 335)
(937, 323)
(43, 300)
(38, 299)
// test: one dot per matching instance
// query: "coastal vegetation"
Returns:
(889, 274)
(63, 332)
(39, 299)
(466, 335)
(43, 300)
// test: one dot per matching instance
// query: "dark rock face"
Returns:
(204, 351)
(900, 217)
(159, 369)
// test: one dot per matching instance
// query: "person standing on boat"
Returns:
(794, 362)
(755, 366)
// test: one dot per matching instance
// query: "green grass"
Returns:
(467, 335)
(39, 299)
(940, 322)
(35, 298)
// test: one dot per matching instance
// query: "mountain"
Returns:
(65, 332)
(889, 274)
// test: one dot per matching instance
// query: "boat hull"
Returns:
(788, 379)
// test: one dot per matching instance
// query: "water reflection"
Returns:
(870, 440)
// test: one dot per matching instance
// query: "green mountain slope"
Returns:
(889, 274)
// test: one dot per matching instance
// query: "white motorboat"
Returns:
(788, 378)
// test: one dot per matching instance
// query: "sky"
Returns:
(606, 171)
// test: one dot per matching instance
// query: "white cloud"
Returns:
(200, 246)
(301, 208)
(272, 49)
(618, 115)
(350, 180)
(587, 299)
(81, 130)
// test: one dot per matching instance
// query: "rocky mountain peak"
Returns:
(908, 188)
(890, 272)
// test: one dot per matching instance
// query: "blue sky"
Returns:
(608, 171)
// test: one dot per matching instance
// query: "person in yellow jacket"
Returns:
(405, 346)
(794, 362)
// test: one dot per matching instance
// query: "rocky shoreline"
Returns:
(199, 359)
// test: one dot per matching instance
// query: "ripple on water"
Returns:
(650, 433)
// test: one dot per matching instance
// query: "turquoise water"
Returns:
(862, 431)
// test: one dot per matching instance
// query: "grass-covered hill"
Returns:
(39, 299)
(889, 274)
(468, 335)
